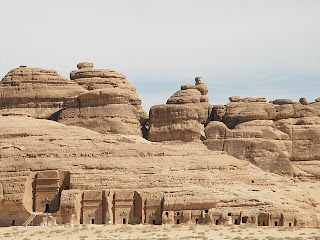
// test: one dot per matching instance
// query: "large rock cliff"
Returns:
(279, 136)
(188, 176)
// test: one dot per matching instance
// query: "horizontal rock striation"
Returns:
(36, 91)
(93, 79)
(273, 136)
(184, 115)
(103, 110)
(173, 177)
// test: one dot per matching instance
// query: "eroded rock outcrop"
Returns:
(110, 177)
(93, 79)
(273, 136)
(257, 141)
(36, 91)
(103, 110)
(159, 182)
(184, 115)
(110, 106)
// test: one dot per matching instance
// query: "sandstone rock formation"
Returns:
(110, 106)
(257, 141)
(184, 115)
(71, 171)
(127, 179)
(36, 91)
(103, 110)
(273, 136)
(93, 79)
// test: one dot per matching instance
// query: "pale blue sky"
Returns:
(246, 48)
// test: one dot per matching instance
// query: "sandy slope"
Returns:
(99, 232)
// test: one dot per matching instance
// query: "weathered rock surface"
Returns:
(103, 110)
(238, 112)
(282, 101)
(257, 141)
(195, 97)
(305, 136)
(184, 115)
(273, 136)
(36, 91)
(188, 176)
(316, 105)
(110, 104)
(303, 101)
(93, 79)
(174, 122)
(281, 136)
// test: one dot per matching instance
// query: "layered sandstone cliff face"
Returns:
(271, 135)
(281, 136)
(110, 106)
(36, 91)
(98, 99)
(202, 176)
(183, 117)
(188, 177)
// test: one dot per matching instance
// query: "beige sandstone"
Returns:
(103, 110)
(275, 136)
(92, 165)
(184, 115)
(174, 122)
(201, 185)
(282, 101)
(36, 91)
(92, 79)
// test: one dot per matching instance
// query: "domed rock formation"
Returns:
(183, 116)
(110, 106)
(36, 91)
(93, 79)
(195, 97)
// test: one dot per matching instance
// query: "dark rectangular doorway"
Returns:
(47, 208)
(123, 220)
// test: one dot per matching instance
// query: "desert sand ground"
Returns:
(313, 188)
(100, 232)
